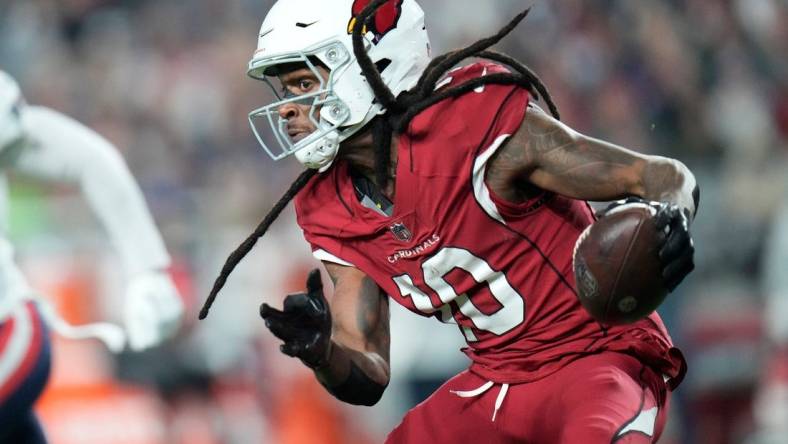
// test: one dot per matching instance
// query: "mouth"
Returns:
(298, 134)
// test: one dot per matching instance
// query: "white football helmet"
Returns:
(302, 31)
(11, 102)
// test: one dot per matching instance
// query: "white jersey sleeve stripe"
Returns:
(480, 190)
(323, 255)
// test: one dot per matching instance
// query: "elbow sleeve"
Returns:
(358, 388)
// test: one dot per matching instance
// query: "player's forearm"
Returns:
(668, 180)
(63, 150)
(357, 370)
(355, 377)
(119, 204)
(556, 158)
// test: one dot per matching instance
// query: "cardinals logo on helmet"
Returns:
(385, 18)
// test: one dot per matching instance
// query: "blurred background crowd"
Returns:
(705, 81)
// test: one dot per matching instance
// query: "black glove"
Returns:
(677, 249)
(304, 324)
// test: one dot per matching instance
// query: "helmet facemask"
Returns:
(328, 113)
(296, 30)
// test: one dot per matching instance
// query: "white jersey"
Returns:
(13, 285)
(46, 145)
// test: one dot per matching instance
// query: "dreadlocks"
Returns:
(247, 245)
(400, 111)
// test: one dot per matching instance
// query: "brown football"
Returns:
(617, 267)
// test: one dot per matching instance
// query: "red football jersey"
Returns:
(454, 250)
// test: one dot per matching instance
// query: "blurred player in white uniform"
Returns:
(44, 144)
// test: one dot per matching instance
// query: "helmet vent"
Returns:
(382, 64)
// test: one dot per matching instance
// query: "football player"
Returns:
(44, 144)
(452, 193)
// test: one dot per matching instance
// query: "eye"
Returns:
(305, 85)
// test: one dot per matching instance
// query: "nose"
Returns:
(288, 111)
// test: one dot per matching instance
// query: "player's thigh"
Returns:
(26, 429)
(24, 361)
(612, 398)
(445, 417)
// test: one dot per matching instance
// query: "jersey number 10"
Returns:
(509, 316)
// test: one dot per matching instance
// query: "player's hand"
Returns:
(677, 250)
(304, 324)
(153, 309)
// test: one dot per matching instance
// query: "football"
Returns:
(617, 267)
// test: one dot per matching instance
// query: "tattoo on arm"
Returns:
(369, 303)
(360, 335)
(368, 313)
(372, 316)
(549, 155)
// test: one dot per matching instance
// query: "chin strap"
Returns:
(320, 154)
